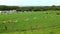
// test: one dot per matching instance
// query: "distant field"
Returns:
(47, 22)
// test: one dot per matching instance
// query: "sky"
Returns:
(29, 2)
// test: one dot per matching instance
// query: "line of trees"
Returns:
(3, 7)
(29, 8)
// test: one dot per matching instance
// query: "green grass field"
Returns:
(30, 23)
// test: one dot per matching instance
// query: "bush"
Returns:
(57, 13)
(47, 13)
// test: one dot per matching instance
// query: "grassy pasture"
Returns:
(31, 23)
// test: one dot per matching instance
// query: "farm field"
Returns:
(45, 22)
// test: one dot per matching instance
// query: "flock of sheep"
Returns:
(9, 21)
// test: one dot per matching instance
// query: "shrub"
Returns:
(57, 13)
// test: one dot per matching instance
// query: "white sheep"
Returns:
(4, 22)
(9, 21)
(16, 21)
(27, 19)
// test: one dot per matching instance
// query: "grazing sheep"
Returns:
(25, 11)
(4, 22)
(12, 21)
(9, 21)
(33, 28)
(21, 12)
(15, 21)
(0, 12)
(27, 19)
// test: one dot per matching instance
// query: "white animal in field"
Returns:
(4, 22)
(21, 12)
(0, 11)
(27, 19)
(10, 21)
(16, 21)
(24, 11)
